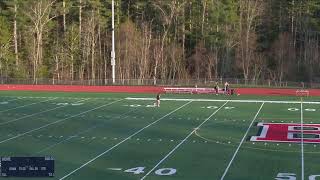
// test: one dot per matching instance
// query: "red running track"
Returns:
(274, 92)
(70, 88)
(144, 89)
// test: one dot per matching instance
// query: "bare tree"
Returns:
(282, 55)
(168, 11)
(4, 54)
(64, 15)
(15, 36)
(93, 43)
(40, 13)
(204, 6)
(249, 11)
(80, 20)
(146, 53)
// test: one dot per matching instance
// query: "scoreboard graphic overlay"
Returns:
(26, 167)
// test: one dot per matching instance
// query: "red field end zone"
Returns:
(288, 132)
(144, 89)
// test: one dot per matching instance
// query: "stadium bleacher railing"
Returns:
(161, 82)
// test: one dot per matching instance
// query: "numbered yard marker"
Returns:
(292, 176)
(76, 104)
(66, 104)
(293, 109)
(165, 171)
(136, 170)
(62, 104)
(286, 176)
(229, 107)
(159, 172)
(138, 105)
(297, 109)
(216, 107)
(310, 110)
(313, 177)
(212, 107)
(135, 105)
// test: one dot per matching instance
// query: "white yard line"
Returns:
(55, 122)
(27, 105)
(243, 139)
(34, 114)
(84, 131)
(224, 100)
(129, 137)
(184, 140)
(11, 100)
(302, 145)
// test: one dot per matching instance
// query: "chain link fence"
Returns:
(160, 82)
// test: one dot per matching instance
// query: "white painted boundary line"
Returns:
(55, 122)
(222, 100)
(14, 99)
(85, 131)
(243, 139)
(184, 140)
(27, 105)
(302, 148)
(129, 137)
(34, 114)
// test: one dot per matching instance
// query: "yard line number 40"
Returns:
(292, 176)
(159, 172)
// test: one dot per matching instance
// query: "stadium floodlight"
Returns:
(113, 53)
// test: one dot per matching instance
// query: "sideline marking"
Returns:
(55, 122)
(244, 137)
(222, 100)
(129, 137)
(26, 105)
(302, 148)
(184, 140)
(30, 115)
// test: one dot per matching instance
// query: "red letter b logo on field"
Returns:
(286, 132)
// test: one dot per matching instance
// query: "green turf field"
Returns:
(190, 137)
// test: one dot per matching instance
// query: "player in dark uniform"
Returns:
(216, 88)
(158, 100)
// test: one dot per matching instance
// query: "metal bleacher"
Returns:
(183, 90)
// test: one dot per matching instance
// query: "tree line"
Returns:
(161, 39)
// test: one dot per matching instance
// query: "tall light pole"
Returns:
(113, 52)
